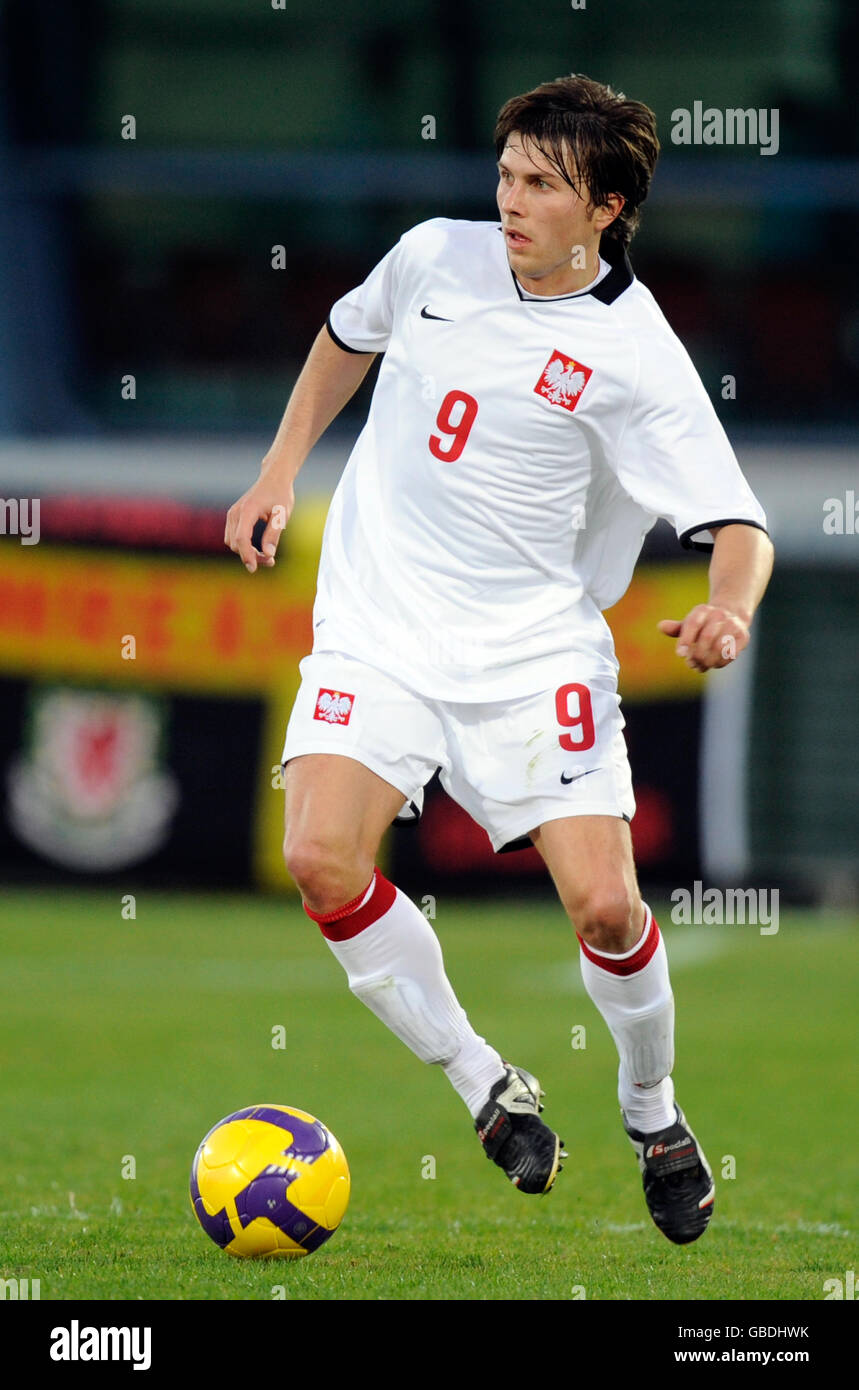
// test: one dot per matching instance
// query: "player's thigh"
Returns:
(591, 862)
(358, 748)
(553, 767)
(334, 804)
(515, 765)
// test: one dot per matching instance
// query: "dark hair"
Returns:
(610, 141)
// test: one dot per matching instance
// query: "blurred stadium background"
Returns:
(150, 332)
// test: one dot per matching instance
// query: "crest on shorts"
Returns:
(334, 706)
(563, 380)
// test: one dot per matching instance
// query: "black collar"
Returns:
(610, 287)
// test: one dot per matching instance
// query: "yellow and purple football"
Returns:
(270, 1180)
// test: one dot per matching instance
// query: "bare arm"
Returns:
(329, 378)
(715, 633)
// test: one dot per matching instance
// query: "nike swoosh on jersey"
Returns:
(425, 315)
(575, 776)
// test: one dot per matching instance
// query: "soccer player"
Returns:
(533, 415)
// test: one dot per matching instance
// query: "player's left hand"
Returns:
(708, 637)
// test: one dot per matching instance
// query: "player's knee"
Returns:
(327, 874)
(609, 921)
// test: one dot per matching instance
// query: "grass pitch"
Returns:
(129, 1039)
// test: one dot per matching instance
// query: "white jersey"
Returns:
(516, 453)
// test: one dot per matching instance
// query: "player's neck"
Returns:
(567, 279)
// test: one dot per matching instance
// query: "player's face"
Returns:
(548, 226)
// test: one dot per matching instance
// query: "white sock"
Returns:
(394, 965)
(647, 1108)
(633, 993)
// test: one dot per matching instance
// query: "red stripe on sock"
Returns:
(344, 911)
(347, 921)
(632, 963)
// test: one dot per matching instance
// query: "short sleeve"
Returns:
(674, 458)
(362, 321)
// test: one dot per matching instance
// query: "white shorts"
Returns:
(512, 764)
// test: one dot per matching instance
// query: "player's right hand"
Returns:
(270, 501)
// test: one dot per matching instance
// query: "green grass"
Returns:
(133, 1037)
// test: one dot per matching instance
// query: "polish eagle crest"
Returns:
(334, 706)
(563, 380)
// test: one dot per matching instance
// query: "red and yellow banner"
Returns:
(650, 668)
